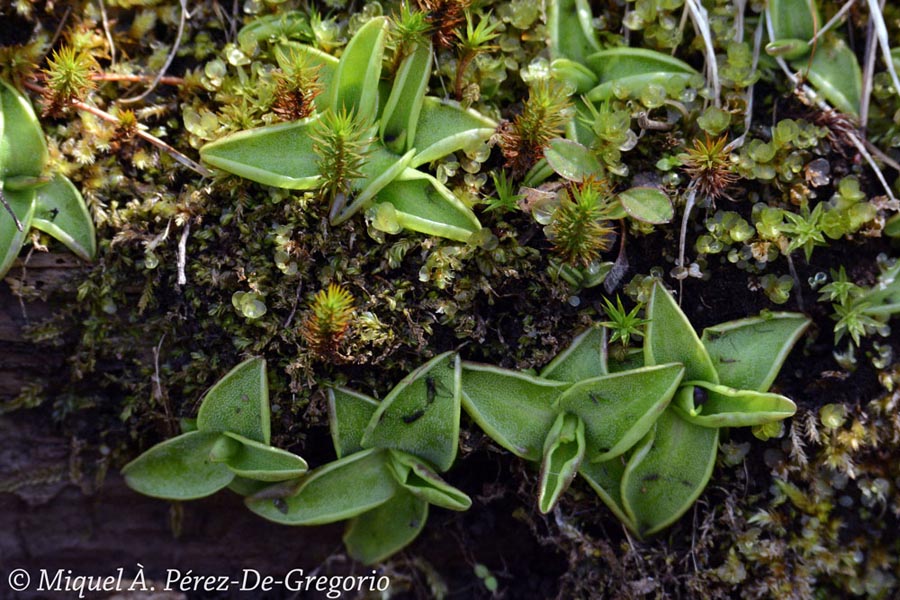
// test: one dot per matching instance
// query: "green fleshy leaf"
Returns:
(23, 205)
(578, 128)
(444, 127)
(401, 113)
(633, 85)
(355, 84)
(224, 449)
(670, 337)
(789, 49)
(793, 19)
(277, 155)
(60, 211)
(575, 74)
(339, 490)
(239, 403)
(421, 414)
(375, 535)
(835, 73)
(423, 204)
(633, 69)
(584, 358)
(748, 353)
(264, 463)
(571, 160)
(514, 409)
(571, 28)
(179, 468)
(633, 358)
(661, 482)
(606, 479)
(647, 204)
(711, 405)
(563, 453)
(619, 409)
(418, 479)
(23, 149)
(247, 487)
(381, 168)
(349, 414)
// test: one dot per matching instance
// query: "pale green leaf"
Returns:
(835, 73)
(712, 405)
(606, 479)
(23, 150)
(425, 205)
(574, 73)
(584, 358)
(60, 211)
(239, 402)
(262, 462)
(381, 168)
(793, 19)
(670, 337)
(179, 468)
(421, 414)
(400, 117)
(572, 34)
(349, 414)
(444, 127)
(647, 204)
(572, 161)
(277, 155)
(23, 204)
(748, 353)
(632, 69)
(374, 536)
(661, 483)
(339, 490)
(619, 409)
(514, 409)
(563, 452)
(355, 84)
(413, 474)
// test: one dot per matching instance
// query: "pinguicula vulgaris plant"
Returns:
(31, 197)
(227, 446)
(645, 438)
(388, 456)
(363, 144)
